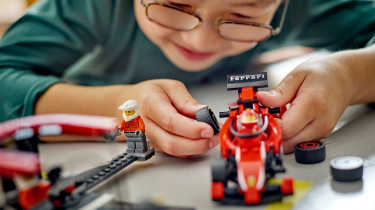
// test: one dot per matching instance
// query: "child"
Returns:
(89, 56)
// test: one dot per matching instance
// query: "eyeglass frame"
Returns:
(274, 31)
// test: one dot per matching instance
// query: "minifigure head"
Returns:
(195, 34)
(129, 110)
(249, 117)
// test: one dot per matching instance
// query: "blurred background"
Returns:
(11, 10)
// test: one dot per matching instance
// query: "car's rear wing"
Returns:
(238, 81)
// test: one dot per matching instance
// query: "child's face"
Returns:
(203, 46)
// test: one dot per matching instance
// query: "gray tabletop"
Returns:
(186, 182)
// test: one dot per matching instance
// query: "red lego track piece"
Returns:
(81, 125)
(18, 163)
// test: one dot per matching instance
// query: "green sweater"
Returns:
(98, 42)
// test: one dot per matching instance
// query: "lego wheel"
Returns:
(219, 171)
(347, 168)
(217, 191)
(310, 152)
(206, 115)
(287, 186)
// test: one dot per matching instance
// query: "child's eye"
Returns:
(180, 5)
(238, 15)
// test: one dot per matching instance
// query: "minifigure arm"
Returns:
(122, 125)
(141, 125)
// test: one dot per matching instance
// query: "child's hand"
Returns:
(319, 91)
(168, 111)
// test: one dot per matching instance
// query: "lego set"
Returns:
(250, 145)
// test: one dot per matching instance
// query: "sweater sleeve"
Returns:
(371, 42)
(338, 24)
(329, 24)
(40, 46)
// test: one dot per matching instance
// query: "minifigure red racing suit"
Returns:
(133, 127)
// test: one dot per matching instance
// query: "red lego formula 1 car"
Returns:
(251, 148)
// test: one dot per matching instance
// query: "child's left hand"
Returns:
(319, 91)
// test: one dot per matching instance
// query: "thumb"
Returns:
(181, 98)
(284, 92)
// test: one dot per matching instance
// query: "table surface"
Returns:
(186, 182)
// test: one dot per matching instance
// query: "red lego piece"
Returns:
(287, 187)
(217, 190)
(58, 124)
(132, 125)
(18, 163)
(69, 189)
(252, 196)
(30, 197)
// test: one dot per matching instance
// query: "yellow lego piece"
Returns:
(300, 190)
(251, 182)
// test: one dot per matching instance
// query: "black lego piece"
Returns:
(113, 167)
(310, 152)
(206, 115)
(256, 80)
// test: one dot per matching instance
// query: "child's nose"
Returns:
(204, 38)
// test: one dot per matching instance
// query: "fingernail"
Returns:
(273, 93)
(213, 142)
(200, 106)
(206, 134)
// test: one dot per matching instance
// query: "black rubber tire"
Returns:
(347, 172)
(206, 115)
(310, 152)
(219, 171)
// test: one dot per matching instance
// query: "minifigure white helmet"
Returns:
(129, 105)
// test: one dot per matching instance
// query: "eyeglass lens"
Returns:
(178, 20)
(172, 18)
(244, 32)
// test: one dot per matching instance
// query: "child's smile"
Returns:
(192, 54)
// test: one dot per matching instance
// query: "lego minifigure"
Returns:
(249, 122)
(133, 127)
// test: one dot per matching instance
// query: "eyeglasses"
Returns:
(176, 18)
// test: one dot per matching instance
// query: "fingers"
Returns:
(181, 98)
(177, 145)
(314, 131)
(310, 117)
(166, 116)
(298, 116)
(284, 92)
(161, 108)
(307, 119)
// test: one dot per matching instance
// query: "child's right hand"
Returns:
(168, 111)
